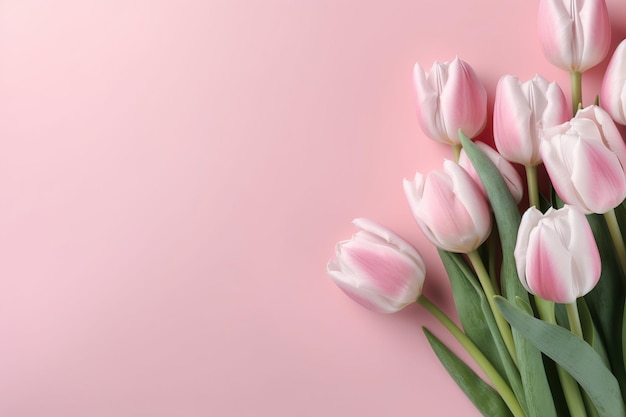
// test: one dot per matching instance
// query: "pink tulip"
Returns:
(521, 112)
(585, 160)
(449, 208)
(613, 92)
(508, 172)
(378, 269)
(575, 34)
(450, 97)
(556, 254)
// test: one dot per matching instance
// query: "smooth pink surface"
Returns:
(174, 176)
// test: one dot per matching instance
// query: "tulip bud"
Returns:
(556, 254)
(449, 208)
(585, 160)
(575, 34)
(450, 97)
(613, 92)
(521, 112)
(508, 172)
(378, 269)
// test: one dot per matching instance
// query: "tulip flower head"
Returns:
(450, 97)
(585, 160)
(613, 92)
(449, 208)
(556, 255)
(508, 172)
(522, 110)
(575, 34)
(378, 269)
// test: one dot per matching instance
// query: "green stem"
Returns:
(616, 236)
(533, 187)
(618, 243)
(573, 397)
(574, 400)
(574, 319)
(456, 149)
(496, 379)
(485, 281)
(576, 80)
(574, 325)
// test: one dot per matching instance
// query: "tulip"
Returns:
(521, 112)
(556, 255)
(609, 133)
(585, 160)
(508, 172)
(613, 91)
(450, 97)
(449, 208)
(575, 34)
(378, 269)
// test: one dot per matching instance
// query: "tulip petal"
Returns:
(598, 176)
(379, 232)
(377, 268)
(582, 241)
(529, 221)
(521, 113)
(428, 115)
(549, 267)
(512, 122)
(595, 29)
(556, 255)
(471, 203)
(613, 91)
(555, 31)
(382, 268)
(463, 101)
(575, 34)
(558, 161)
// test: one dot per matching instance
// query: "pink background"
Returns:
(174, 175)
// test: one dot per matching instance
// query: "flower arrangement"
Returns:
(539, 289)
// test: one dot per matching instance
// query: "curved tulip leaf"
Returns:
(606, 300)
(586, 321)
(474, 312)
(572, 354)
(485, 398)
(467, 299)
(530, 362)
(506, 214)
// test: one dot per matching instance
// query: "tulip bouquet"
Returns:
(539, 287)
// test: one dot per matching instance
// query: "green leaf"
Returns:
(586, 321)
(485, 398)
(475, 312)
(478, 321)
(467, 298)
(573, 354)
(506, 213)
(533, 372)
(606, 300)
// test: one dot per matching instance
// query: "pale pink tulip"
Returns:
(450, 208)
(556, 254)
(613, 92)
(521, 112)
(575, 34)
(508, 172)
(378, 269)
(609, 133)
(450, 97)
(585, 160)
